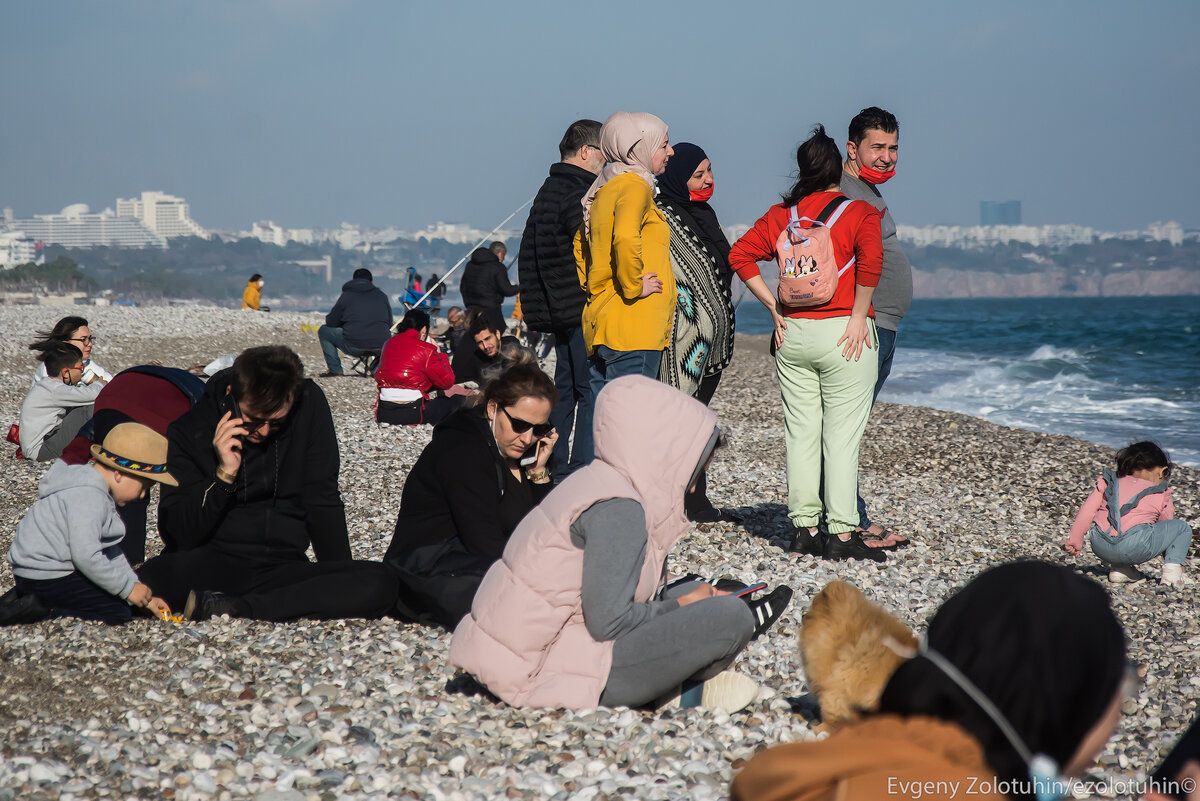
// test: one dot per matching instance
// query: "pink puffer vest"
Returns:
(525, 638)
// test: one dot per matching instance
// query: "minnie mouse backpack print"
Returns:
(808, 269)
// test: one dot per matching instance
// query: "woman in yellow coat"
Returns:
(623, 253)
(252, 294)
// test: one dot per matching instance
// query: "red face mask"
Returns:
(873, 176)
(704, 195)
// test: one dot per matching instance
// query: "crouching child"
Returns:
(67, 553)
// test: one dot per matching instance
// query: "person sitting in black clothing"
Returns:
(257, 463)
(468, 491)
(485, 361)
(485, 284)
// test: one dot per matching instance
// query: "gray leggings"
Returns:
(695, 642)
(58, 439)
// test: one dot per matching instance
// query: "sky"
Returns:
(404, 113)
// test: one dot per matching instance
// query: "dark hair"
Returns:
(59, 356)
(414, 320)
(363, 272)
(61, 332)
(479, 323)
(255, 277)
(819, 164)
(871, 118)
(1140, 456)
(497, 247)
(522, 378)
(267, 377)
(579, 133)
(1040, 642)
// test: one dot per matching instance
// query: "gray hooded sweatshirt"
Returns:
(73, 526)
(46, 405)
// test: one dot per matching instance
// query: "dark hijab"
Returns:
(699, 216)
(1038, 640)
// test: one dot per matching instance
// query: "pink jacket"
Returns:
(525, 638)
(1151, 509)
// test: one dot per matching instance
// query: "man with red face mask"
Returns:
(871, 154)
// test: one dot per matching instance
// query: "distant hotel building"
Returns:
(16, 248)
(165, 215)
(77, 227)
(998, 212)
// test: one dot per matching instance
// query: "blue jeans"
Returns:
(887, 349)
(608, 365)
(572, 378)
(333, 340)
(1143, 542)
(75, 595)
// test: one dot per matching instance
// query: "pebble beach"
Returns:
(318, 711)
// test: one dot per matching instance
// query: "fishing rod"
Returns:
(463, 260)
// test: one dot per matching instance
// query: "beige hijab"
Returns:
(628, 141)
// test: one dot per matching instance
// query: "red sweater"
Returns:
(856, 233)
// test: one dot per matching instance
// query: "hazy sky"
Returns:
(314, 112)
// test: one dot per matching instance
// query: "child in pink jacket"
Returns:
(1129, 517)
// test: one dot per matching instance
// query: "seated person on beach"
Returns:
(152, 395)
(257, 464)
(1021, 679)
(409, 370)
(66, 552)
(57, 406)
(360, 321)
(573, 614)
(485, 284)
(454, 338)
(1129, 518)
(74, 331)
(468, 491)
(252, 294)
(486, 360)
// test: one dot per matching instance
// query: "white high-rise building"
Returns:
(165, 215)
(16, 248)
(77, 227)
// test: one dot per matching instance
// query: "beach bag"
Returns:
(808, 270)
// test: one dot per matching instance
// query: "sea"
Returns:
(1107, 370)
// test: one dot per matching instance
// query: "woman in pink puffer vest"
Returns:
(571, 615)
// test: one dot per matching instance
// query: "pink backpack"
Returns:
(808, 270)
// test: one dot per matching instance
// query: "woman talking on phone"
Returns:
(484, 469)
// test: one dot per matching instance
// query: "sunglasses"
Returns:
(520, 426)
(1167, 471)
(253, 424)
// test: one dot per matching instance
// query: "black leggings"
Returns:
(284, 589)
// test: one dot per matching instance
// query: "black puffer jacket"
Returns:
(551, 298)
(485, 282)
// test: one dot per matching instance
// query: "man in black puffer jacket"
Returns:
(485, 283)
(551, 298)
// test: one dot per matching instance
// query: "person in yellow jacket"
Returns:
(252, 294)
(623, 253)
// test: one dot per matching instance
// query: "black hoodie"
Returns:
(286, 493)
(364, 314)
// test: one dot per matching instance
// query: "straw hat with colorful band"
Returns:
(137, 450)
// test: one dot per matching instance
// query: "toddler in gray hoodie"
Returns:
(67, 553)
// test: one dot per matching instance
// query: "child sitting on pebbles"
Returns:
(66, 552)
(1130, 519)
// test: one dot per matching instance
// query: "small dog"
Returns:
(843, 652)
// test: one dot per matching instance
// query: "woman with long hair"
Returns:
(825, 354)
(410, 369)
(701, 344)
(74, 331)
(482, 472)
(623, 253)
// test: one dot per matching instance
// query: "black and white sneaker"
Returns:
(769, 608)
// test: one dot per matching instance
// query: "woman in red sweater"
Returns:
(826, 356)
(410, 368)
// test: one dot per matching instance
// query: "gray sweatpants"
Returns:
(695, 642)
(58, 439)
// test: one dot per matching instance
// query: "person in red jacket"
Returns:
(410, 368)
(825, 355)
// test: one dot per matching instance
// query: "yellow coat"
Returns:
(251, 296)
(630, 237)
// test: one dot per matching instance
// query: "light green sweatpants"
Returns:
(826, 403)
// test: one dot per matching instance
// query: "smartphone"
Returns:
(1167, 775)
(762, 585)
(530, 457)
